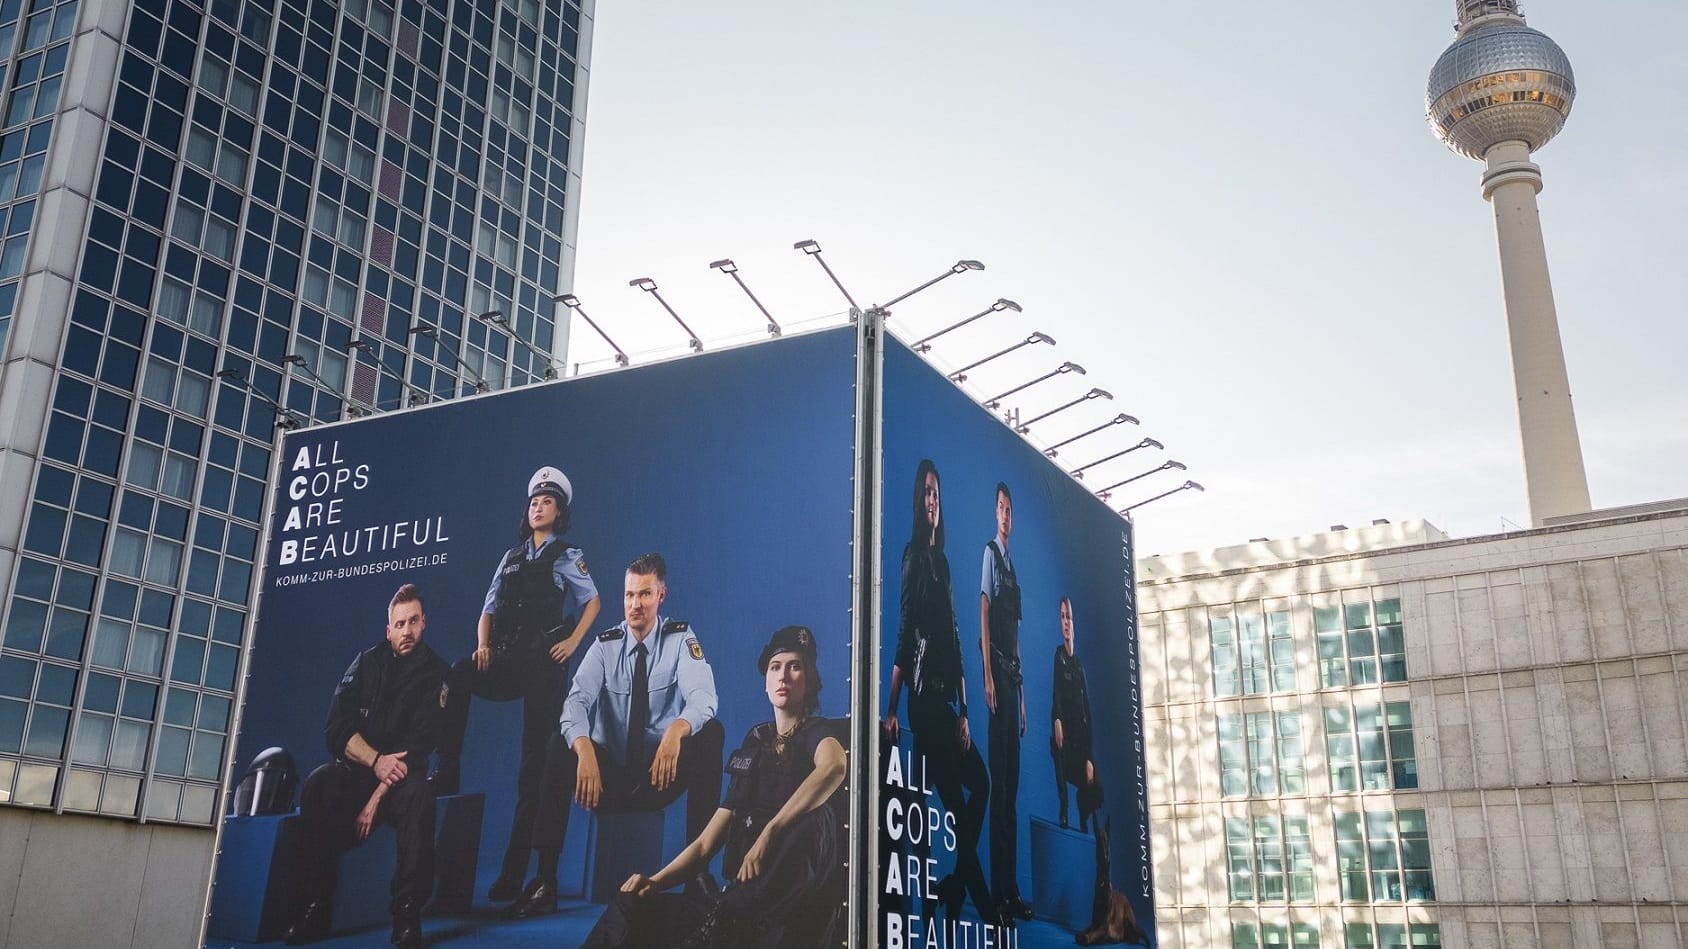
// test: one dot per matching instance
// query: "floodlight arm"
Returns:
(417, 397)
(729, 268)
(1002, 303)
(433, 333)
(1186, 485)
(1145, 443)
(573, 302)
(813, 249)
(960, 266)
(353, 409)
(1119, 419)
(1092, 394)
(960, 375)
(1062, 369)
(649, 286)
(497, 318)
(285, 417)
(1164, 466)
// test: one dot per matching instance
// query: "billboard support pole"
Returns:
(864, 599)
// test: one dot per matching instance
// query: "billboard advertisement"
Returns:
(1012, 803)
(547, 666)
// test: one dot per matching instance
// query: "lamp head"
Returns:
(1192, 484)
(1150, 443)
(962, 266)
(1099, 394)
(293, 359)
(643, 283)
(1173, 466)
(725, 265)
(1040, 338)
(1122, 418)
(1071, 367)
(807, 247)
(493, 316)
(423, 329)
(569, 300)
(1003, 303)
(360, 345)
(235, 374)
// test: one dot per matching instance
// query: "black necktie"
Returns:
(640, 714)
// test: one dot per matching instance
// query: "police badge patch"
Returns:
(445, 693)
(695, 646)
(581, 563)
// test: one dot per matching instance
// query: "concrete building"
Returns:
(218, 216)
(1385, 737)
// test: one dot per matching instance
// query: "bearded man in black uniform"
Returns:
(380, 728)
(1069, 741)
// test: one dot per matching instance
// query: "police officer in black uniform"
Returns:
(1069, 741)
(782, 823)
(380, 729)
(538, 609)
(999, 645)
(928, 661)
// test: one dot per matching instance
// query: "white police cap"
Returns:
(550, 481)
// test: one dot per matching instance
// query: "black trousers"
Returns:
(1069, 761)
(697, 776)
(963, 786)
(328, 808)
(1004, 731)
(541, 683)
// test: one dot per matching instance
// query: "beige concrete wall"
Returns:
(70, 882)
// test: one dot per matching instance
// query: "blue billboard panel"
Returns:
(548, 666)
(1012, 798)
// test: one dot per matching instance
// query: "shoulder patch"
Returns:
(612, 634)
(676, 626)
(695, 647)
(445, 693)
(580, 564)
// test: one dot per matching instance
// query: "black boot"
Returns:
(407, 927)
(313, 923)
(539, 899)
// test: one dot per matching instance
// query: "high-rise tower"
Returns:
(207, 208)
(1500, 92)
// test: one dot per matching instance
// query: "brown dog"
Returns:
(1111, 916)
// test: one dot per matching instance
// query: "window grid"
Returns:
(1269, 859)
(1384, 856)
(1260, 754)
(1370, 747)
(1360, 643)
(204, 212)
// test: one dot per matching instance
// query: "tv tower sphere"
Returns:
(1500, 81)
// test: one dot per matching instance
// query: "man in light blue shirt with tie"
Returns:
(638, 728)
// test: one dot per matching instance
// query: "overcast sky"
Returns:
(1230, 212)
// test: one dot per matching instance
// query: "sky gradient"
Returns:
(1231, 213)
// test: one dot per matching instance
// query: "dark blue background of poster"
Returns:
(734, 465)
(1064, 542)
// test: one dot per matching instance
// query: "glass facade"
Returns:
(1269, 859)
(303, 203)
(1252, 653)
(1260, 754)
(1360, 643)
(1384, 856)
(1370, 747)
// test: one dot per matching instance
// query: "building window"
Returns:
(1360, 643)
(1370, 747)
(1252, 655)
(1260, 754)
(1269, 860)
(1384, 856)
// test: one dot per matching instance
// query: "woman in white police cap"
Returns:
(538, 609)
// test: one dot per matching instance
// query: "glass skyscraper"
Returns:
(216, 218)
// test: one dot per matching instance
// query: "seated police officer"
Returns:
(380, 728)
(638, 729)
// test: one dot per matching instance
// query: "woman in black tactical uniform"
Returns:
(538, 609)
(782, 825)
(928, 661)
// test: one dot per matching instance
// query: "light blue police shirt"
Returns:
(568, 573)
(989, 582)
(682, 686)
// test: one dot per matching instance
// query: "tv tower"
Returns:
(1500, 92)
